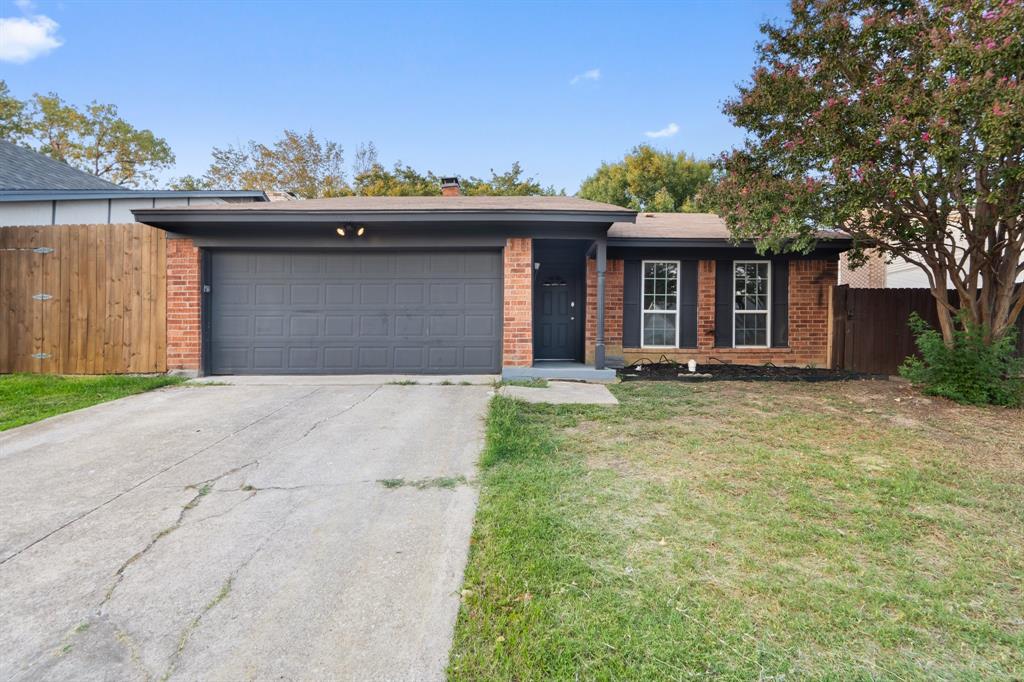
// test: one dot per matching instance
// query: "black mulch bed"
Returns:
(666, 370)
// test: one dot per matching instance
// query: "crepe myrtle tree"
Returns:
(902, 123)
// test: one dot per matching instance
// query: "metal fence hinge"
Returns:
(42, 297)
(43, 249)
(40, 356)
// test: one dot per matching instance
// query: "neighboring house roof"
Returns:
(26, 175)
(23, 169)
(64, 195)
(696, 227)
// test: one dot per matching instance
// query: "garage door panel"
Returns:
(445, 293)
(480, 325)
(478, 264)
(410, 293)
(235, 294)
(304, 294)
(410, 326)
(340, 325)
(443, 325)
(305, 264)
(339, 294)
(409, 358)
(233, 325)
(339, 359)
(376, 264)
(267, 325)
(373, 294)
(479, 358)
(269, 294)
(309, 312)
(271, 264)
(301, 358)
(303, 326)
(374, 358)
(268, 358)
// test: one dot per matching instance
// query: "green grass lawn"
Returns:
(27, 398)
(852, 531)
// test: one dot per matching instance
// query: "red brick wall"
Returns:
(809, 281)
(705, 304)
(613, 281)
(183, 294)
(517, 347)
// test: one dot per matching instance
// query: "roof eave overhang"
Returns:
(244, 218)
(832, 244)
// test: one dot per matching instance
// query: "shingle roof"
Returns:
(695, 226)
(420, 205)
(24, 169)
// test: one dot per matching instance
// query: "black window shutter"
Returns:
(631, 304)
(723, 303)
(688, 304)
(780, 302)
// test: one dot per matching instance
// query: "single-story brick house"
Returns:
(522, 286)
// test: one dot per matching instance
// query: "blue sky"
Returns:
(450, 87)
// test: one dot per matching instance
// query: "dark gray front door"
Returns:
(556, 312)
(298, 312)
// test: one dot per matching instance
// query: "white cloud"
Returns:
(668, 131)
(588, 75)
(25, 5)
(22, 39)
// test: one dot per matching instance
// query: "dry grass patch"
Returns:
(741, 531)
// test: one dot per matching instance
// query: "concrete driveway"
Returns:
(294, 530)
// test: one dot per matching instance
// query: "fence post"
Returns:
(837, 326)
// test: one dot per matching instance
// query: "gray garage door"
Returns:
(348, 313)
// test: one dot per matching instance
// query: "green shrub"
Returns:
(970, 371)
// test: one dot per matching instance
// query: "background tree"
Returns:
(296, 162)
(400, 181)
(94, 139)
(14, 123)
(649, 180)
(902, 123)
(509, 183)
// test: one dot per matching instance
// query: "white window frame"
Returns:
(767, 312)
(643, 313)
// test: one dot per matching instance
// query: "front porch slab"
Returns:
(562, 393)
(565, 371)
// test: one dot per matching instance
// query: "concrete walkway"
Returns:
(239, 532)
(563, 392)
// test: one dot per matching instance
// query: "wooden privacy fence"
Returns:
(83, 299)
(868, 327)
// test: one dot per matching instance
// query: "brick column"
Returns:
(809, 281)
(705, 304)
(614, 277)
(183, 305)
(517, 347)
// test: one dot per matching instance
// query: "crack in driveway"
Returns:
(225, 591)
(154, 475)
(203, 488)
